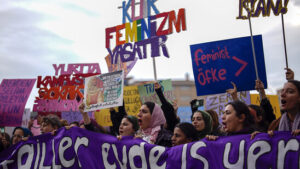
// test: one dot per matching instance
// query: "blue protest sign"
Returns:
(216, 64)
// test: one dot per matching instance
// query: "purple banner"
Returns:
(13, 97)
(79, 148)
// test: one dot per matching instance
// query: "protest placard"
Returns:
(125, 66)
(13, 97)
(217, 64)
(73, 116)
(132, 106)
(147, 91)
(26, 118)
(218, 102)
(104, 91)
(63, 93)
(274, 100)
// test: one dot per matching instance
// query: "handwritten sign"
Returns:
(217, 64)
(261, 7)
(13, 97)
(274, 100)
(218, 102)
(104, 91)
(103, 117)
(147, 92)
(142, 31)
(132, 106)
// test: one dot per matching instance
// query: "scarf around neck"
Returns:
(157, 119)
(285, 123)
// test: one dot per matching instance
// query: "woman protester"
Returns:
(202, 122)
(290, 106)
(50, 123)
(184, 133)
(236, 120)
(19, 134)
(168, 109)
(88, 123)
(262, 115)
(151, 120)
(129, 126)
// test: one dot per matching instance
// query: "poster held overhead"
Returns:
(104, 91)
(14, 95)
(217, 64)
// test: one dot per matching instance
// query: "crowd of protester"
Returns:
(160, 125)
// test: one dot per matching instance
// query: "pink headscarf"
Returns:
(157, 119)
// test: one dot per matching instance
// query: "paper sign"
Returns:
(147, 92)
(103, 117)
(217, 64)
(26, 118)
(185, 113)
(132, 106)
(126, 66)
(73, 116)
(274, 100)
(218, 102)
(104, 91)
(13, 97)
(132, 100)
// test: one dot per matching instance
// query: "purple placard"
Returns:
(79, 148)
(73, 116)
(13, 97)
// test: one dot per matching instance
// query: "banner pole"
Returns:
(284, 42)
(154, 69)
(253, 48)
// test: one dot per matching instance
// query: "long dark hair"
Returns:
(241, 108)
(189, 130)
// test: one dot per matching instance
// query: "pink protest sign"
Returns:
(14, 94)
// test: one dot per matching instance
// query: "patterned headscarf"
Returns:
(157, 119)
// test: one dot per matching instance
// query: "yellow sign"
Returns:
(132, 102)
(274, 100)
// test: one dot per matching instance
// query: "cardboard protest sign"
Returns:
(103, 117)
(73, 116)
(25, 118)
(77, 148)
(261, 7)
(104, 91)
(132, 100)
(147, 92)
(142, 32)
(63, 93)
(274, 100)
(218, 102)
(217, 64)
(132, 106)
(14, 94)
(126, 66)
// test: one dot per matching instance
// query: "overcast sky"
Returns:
(34, 34)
